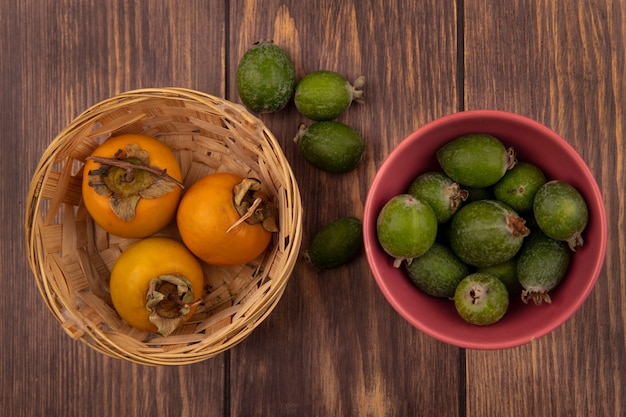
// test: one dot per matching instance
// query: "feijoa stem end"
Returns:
(511, 158)
(301, 131)
(357, 93)
(575, 242)
(538, 297)
(456, 194)
(478, 292)
(397, 262)
(517, 226)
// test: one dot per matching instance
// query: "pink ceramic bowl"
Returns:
(522, 323)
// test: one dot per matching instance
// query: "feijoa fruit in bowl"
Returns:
(494, 232)
(442, 193)
(541, 265)
(406, 228)
(487, 232)
(481, 299)
(438, 271)
(561, 212)
(518, 186)
(476, 160)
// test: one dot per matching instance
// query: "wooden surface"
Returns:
(333, 346)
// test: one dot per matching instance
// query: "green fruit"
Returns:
(443, 194)
(505, 272)
(330, 146)
(561, 212)
(266, 78)
(481, 299)
(486, 232)
(324, 95)
(475, 160)
(337, 243)
(437, 272)
(518, 186)
(542, 264)
(406, 228)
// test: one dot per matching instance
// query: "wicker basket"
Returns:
(71, 256)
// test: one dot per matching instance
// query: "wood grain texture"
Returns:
(58, 58)
(561, 63)
(334, 346)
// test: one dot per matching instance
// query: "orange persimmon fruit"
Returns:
(132, 185)
(156, 285)
(225, 219)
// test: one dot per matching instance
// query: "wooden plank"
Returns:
(563, 64)
(58, 58)
(334, 346)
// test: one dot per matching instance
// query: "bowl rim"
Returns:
(370, 240)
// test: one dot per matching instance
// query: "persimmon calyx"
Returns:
(127, 178)
(169, 299)
(253, 206)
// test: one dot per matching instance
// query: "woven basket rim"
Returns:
(102, 340)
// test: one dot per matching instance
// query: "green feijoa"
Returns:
(486, 232)
(330, 146)
(438, 271)
(324, 95)
(442, 193)
(481, 299)
(406, 228)
(518, 186)
(266, 78)
(541, 266)
(337, 243)
(479, 193)
(505, 272)
(475, 160)
(561, 212)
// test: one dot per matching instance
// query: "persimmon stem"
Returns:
(249, 213)
(175, 298)
(129, 167)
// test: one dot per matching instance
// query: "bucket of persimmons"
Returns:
(162, 226)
